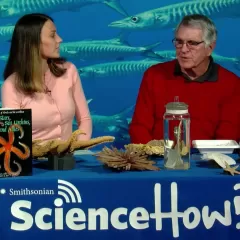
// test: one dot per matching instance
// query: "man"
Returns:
(211, 91)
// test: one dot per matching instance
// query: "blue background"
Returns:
(113, 97)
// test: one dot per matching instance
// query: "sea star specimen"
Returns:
(8, 147)
(42, 148)
(230, 170)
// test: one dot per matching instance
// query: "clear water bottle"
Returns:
(177, 146)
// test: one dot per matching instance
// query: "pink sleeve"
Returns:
(10, 97)
(82, 111)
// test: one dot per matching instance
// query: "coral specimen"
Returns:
(154, 147)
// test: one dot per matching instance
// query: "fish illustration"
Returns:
(3, 57)
(114, 124)
(171, 54)
(166, 54)
(223, 59)
(129, 120)
(116, 48)
(89, 100)
(16, 8)
(169, 16)
(116, 69)
(6, 32)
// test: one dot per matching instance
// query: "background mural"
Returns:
(112, 42)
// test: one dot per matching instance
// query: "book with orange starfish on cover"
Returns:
(15, 142)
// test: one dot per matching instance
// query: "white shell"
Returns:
(219, 158)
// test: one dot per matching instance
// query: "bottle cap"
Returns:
(176, 107)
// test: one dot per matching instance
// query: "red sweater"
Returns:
(214, 107)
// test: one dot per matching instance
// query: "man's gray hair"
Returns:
(202, 22)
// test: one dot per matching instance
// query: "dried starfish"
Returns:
(63, 146)
(40, 148)
(60, 147)
(90, 143)
(54, 146)
(230, 170)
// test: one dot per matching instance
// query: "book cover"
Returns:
(15, 142)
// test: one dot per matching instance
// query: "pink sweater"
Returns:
(53, 112)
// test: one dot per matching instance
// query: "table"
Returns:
(92, 202)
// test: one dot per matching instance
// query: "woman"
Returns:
(37, 78)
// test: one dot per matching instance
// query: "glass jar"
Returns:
(176, 130)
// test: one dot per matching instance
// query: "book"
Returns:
(15, 142)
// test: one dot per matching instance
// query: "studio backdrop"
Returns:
(112, 43)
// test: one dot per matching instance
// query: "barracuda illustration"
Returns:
(3, 57)
(6, 32)
(223, 59)
(116, 48)
(169, 16)
(171, 54)
(13, 8)
(129, 120)
(116, 69)
(166, 54)
(115, 124)
(89, 100)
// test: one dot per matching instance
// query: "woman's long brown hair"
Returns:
(24, 58)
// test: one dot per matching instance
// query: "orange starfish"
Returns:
(7, 148)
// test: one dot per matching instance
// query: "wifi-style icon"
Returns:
(69, 192)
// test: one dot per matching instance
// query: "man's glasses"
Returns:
(178, 43)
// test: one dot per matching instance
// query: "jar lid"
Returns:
(176, 107)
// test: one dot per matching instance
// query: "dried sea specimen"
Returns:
(128, 159)
(42, 148)
(232, 170)
(154, 147)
